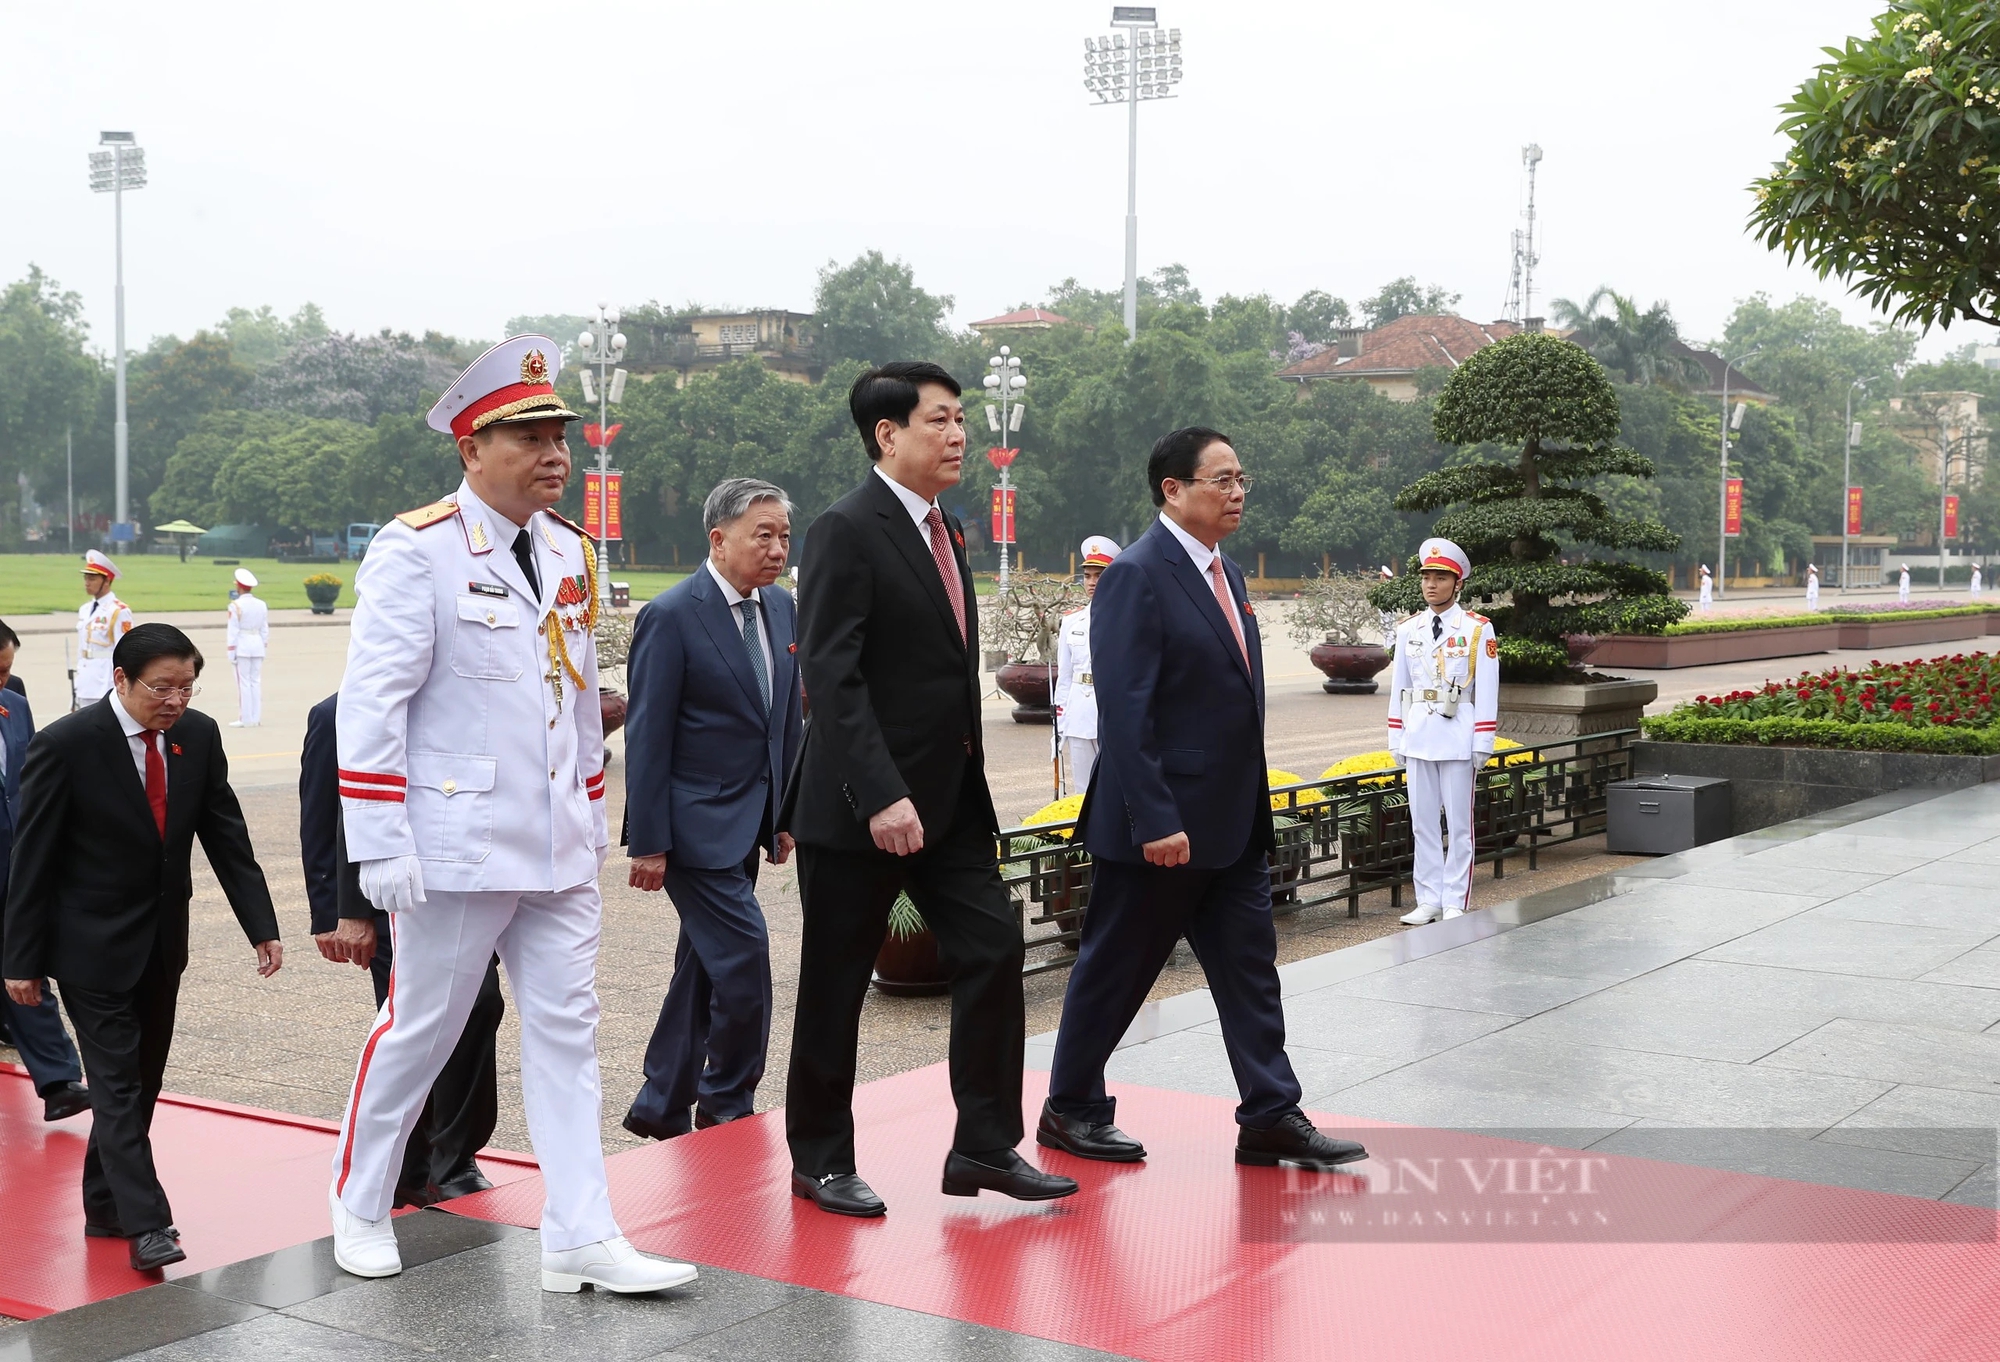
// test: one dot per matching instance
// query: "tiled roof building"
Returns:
(1388, 358)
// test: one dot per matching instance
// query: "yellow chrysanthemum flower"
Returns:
(1064, 810)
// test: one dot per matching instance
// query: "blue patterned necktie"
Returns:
(749, 609)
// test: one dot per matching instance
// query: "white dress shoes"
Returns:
(1419, 915)
(1450, 913)
(611, 1265)
(366, 1248)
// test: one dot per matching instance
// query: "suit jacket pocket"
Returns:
(697, 786)
(451, 805)
(1183, 761)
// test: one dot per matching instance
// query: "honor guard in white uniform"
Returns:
(1975, 581)
(249, 637)
(100, 622)
(1076, 687)
(1903, 586)
(472, 783)
(1444, 706)
(1812, 587)
(1707, 598)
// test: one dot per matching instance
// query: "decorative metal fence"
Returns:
(1344, 837)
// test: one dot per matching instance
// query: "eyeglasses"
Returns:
(181, 693)
(1227, 484)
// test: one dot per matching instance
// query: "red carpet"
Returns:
(1190, 1257)
(242, 1181)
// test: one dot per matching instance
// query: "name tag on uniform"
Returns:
(486, 589)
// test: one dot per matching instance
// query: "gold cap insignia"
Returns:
(534, 367)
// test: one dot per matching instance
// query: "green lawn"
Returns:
(36, 583)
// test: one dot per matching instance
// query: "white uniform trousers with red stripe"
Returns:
(547, 943)
(1444, 866)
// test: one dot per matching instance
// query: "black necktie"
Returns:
(524, 554)
(1437, 620)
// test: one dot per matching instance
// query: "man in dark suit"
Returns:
(36, 1033)
(112, 800)
(713, 728)
(464, 1103)
(890, 794)
(1177, 819)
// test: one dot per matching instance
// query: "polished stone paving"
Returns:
(1818, 1001)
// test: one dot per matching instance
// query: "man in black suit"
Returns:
(111, 805)
(1177, 819)
(464, 1103)
(890, 794)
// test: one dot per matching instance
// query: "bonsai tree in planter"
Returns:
(1341, 630)
(1530, 524)
(1023, 623)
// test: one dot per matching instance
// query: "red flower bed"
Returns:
(1949, 692)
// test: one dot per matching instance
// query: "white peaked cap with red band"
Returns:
(245, 577)
(514, 381)
(1099, 551)
(1445, 555)
(96, 562)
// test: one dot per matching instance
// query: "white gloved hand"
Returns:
(393, 884)
(603, 855)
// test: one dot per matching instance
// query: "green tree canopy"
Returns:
(871, 309)
(1892, 182)
(52, 384)
(1405, 297)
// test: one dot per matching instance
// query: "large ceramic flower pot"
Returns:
(908, 966)
(1350, 667)
(1028, 683)
(322, 598)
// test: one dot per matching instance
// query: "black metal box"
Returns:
(1656, 815)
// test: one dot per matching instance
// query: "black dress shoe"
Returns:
(93, 1230)
(464, 1183)
(840, 1193)
(1104, 1142)
(703, 1121)
(64, 1101)
(646, 1130)
(406, 1195)
(1294, 1140)
(1007, 1172)
(154, 1248)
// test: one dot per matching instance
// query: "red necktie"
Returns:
(1228, 604)
(947, 567)
(156, 782)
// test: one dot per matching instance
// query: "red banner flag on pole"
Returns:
(1732, 507)
(1000, 458)
(603, 502)
(1854, 510)
(600, 437)
(1003, 515)
(1951, 517)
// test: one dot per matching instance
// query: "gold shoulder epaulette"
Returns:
(426, 516)
(565, 520)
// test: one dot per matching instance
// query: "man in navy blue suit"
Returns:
(1177, 819)
(36, 1033)
(714, 727)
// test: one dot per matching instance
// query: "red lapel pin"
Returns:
(3, 713)
(1247, 610)
(177, 748)
(789, 647)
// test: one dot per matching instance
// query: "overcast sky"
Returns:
(408, 165)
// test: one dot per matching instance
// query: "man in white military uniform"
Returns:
(249, 636)
(471, 781)
(1444, 707)
(1975, 581)
(100, 622)
(1812, 587)
(1707, 597)
(1903, 586)
(1076, 686)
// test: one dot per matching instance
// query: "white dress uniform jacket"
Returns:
(249, 626)
(461, 741)
(1465, 654)
(1076, 687)
(99, 625)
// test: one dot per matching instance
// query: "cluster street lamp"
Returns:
(113, 172)
(1851, 435)
(1729, 422)
(603, 344)
(1143, 62)
(1004, 382)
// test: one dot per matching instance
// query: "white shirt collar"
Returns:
(133, 728)
(919, 509)
(1201, 553)
(730, 593)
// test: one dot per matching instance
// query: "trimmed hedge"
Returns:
(1784, 731)
(1733, 626)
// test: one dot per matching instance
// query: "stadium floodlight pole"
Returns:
(113, 172)
(1722, 507)
(603, 344)
(1144, 62)
(1004, 385)
(1850, 437)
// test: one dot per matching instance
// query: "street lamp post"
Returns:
(1004, 382)
(113, 172)
(1848, 437)
(603, 344)
(1722, 498)
(1144, 62)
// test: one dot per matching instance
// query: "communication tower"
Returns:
(1521, 282)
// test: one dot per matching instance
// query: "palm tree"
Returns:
(1645, 347)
